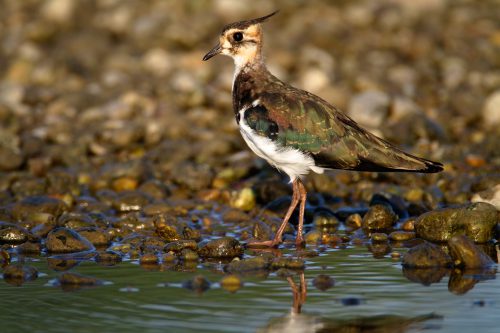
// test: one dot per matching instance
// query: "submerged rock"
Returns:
(323, 282)
(18, 274)
(108, 258)
(466, 254)
(477, 221)
(225, 247)
(231, 283)
(73, 281)
(246, 265)
(198, 284)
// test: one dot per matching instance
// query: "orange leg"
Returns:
(299, 192)
(299, 240)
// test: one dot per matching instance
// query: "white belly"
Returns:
(289, 160)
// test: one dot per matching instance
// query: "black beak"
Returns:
(213, 52)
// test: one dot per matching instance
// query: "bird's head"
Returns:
(240, 40)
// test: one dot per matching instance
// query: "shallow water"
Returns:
(370, 294)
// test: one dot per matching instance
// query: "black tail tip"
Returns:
(432, 167)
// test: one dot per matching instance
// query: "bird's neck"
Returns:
(250, 59)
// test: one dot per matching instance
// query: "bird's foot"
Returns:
(262, 244)
(300, 242)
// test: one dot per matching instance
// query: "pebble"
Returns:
(243, 199)
(379, 237)
(63, 240)
(401, 236)
(225, 247)
(379, 217)
(231, 283)
(12, 234)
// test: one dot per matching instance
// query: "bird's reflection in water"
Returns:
(298, 322)
(299, 292)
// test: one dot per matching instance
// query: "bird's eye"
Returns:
(238, 36)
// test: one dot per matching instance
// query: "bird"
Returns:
(296, 131)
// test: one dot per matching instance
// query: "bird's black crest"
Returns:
(246, 24)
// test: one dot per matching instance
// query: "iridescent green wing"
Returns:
(305, 122)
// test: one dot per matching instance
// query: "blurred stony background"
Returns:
(107, 106)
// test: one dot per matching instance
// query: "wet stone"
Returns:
(178, 246)
(167, 232)
(149, 259)
(379, 217)
(226, 247)
(379, 250)
(466, 254)
(96, 236)
(353, 221)
(261, 231)
(108, 258)
(477, 221)
(288, 263)
(246, 265)
(401, 236)
(38, 204)
(243, 199)
(379, 237)
(231, 283)
(426, 255)
(313, 237)
(63, 240)
(29, 248)
(18, 274)
(325, 218)
(129, 201)
(198, 284)
(12, 234)
(191, 234)
(74, 279)
(61, 265)
(425, 276)
(188, 255)
(323, 282)
(75, 220)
